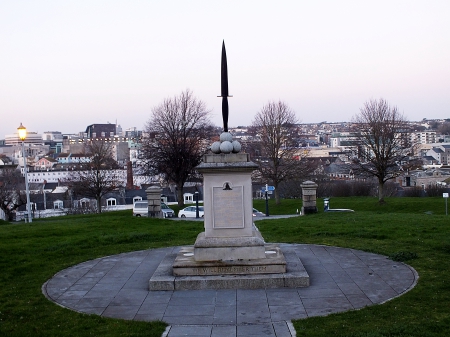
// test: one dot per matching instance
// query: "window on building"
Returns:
(136, 199)
(84, 203)
(188, 197)
(58, 204)
(111, 202)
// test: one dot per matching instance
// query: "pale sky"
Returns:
(67, 64)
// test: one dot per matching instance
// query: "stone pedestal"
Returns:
(230, 253)
(229, 233)
(230, 244)
(154, 202)
(309, 192)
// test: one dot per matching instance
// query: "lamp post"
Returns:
(22, 135)
(197, 215)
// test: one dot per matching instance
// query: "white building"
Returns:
(55, 136)
(54, 176)
(424, 137)
(32, 138)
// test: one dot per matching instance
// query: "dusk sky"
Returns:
(67, 64)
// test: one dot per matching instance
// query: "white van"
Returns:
(140, 208)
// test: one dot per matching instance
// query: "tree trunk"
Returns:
(381, 192)
(99, 205)
(180, 195)
(9, 216)
(277, 195)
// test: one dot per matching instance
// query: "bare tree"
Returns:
(276, 146)
(384, 145)
(176, 139)
(98, 176)
(444, 128)
(11, 197)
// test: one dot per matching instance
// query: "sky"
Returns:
(68, 64)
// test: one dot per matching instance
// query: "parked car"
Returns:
(167, 211)
(190, 212)
(257, 213)
(140, 208)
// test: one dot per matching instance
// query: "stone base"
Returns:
(186, 264)
(229, 249)
(226, 276)
(309, 210)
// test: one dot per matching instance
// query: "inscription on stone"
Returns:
(228, 207)
(309, 192)
(231, 270)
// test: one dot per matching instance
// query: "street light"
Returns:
(22, 135)
(197, 215)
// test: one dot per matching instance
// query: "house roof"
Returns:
(60, 189)
(135, 193)
(5, 160)
(51, 186)
(50, 159)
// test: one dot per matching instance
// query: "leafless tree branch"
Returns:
(98, 176)
(176, 139)
(384, 145)
(276, 145)
(11, 197)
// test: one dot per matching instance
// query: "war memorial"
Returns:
(230, 282)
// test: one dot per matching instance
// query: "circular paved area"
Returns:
(340, 279)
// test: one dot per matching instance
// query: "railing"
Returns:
(22, 215)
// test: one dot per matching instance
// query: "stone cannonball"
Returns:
(236, 146)
(215, 148)
(226, 136)
(226, 147)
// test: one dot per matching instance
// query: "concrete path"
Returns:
(341, 279)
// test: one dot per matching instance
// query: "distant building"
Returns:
(45, 163)
(441, 153)
(5, 161)
(97, 131)
(32, 138)
(424, 137)
(345, 139)
(52, 136)
(132, 133)
(54, 139)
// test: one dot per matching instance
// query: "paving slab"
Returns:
(341, 279)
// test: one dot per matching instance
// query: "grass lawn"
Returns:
(415, 230)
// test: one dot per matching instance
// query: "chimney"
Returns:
(129, 176)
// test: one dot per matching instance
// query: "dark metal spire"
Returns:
(224, 88)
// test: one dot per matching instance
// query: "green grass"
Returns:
(414, 230)
(31, 253)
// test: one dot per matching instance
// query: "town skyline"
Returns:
(232, 128)
(104, 61)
